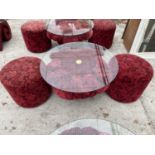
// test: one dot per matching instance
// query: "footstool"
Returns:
(22, 79)
(5, 32)
(34, 34)
(133, 77)
(103, 32)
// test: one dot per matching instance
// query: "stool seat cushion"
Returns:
(103, 32)
(34, 34)
(22, 79)
(133, 77)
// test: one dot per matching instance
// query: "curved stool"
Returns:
(22, 79)
(5, 32)
(134, 75)
(1, 41)
(103, 32)
(73, 96)
(34, 34)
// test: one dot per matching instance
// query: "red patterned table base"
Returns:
(83, 131)
(34, 34)
(134, 75)
(72, 96)
(103, 32)
(22, 79)
(66, 39)
(5, 32)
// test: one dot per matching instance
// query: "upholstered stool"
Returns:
(103, 32)
(22, 79)
(5, 32)
(72, 96)
(1, 41)
(34, 34)
(134, 75)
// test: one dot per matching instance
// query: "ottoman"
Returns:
(5, 32)
(103, 32)
(34, 34)
(1, 42)
(22, 79)
(133, 77)
(82, 37)
(74, 96)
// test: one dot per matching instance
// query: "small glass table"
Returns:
(79, 68)
(69, 30)
(92, 127)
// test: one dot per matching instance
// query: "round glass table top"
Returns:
(79, 67)
(69, 27)
(92, 127)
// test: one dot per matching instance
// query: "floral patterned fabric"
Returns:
(34, 34)
(103, 32)
(5, 32)
(83, 131)
(22, 79)
(134, 75)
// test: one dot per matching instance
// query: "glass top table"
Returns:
(69, 27)
(69, 30)
(79, 67)
(92, 127)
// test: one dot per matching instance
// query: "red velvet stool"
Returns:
(133, 77)
(5, 32)
(73, 96)
(22, 79)
(103, 32)
(1, 42)
(34, 34)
